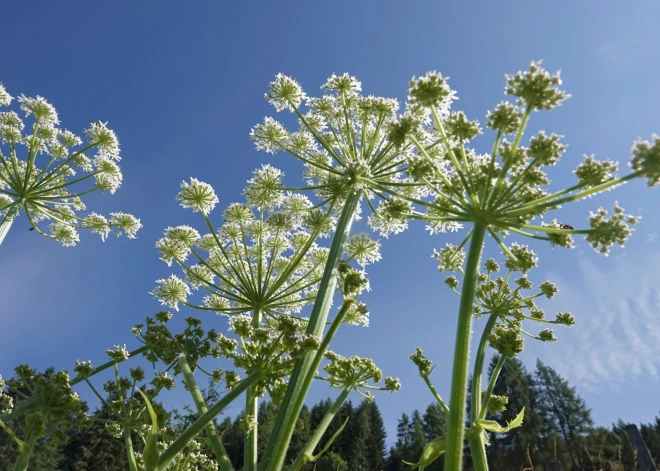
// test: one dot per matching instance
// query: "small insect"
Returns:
(31, 229)
(565, 226)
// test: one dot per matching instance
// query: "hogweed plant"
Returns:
(502, 193)
(260, 268)
(265, 269)
(343, 141)
(52, 191)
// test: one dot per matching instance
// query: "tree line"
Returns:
(558, 427)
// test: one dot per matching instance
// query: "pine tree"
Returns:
(376, 437)
(564, 411)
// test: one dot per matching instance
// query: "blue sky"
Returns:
(182, 83)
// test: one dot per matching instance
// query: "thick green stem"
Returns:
(211, 431)
(478, 451)
(294, 397)
(306, 455)
(7, 220)
(454, 458)
(198, 425)
(130, 454)
(251, 414)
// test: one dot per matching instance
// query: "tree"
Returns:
(410, 442)
(376, 437)
(565, 412)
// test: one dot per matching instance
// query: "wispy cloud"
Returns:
(617, 336)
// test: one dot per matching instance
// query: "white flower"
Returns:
(98, 224)
(171, 292)
(217, 303)
(129, 223)
(43, 111)
(105, 139)
(285, 93)
(265, 189)
(363, 249)
(5, 97)
(64, 234)
(198, 196)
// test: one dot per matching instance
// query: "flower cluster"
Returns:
(355, 373)
(52, 191)
(263, 258)
(505, 190)
(344, 140)
(54, 406)
(508, 301)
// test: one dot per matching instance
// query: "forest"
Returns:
(558, 426)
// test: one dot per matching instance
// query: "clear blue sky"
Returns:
(182, 83)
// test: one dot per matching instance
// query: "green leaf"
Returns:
(432, 451)
(151, 454)
(494, 427)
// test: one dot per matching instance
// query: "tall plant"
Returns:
(499, 194)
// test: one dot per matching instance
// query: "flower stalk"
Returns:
(458, 397)
(305, 367)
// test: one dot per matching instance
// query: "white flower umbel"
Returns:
(263, 258)
(47, 179)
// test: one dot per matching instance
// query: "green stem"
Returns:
(251, 413)
(491, 386)
(478, 451)
(475, 405)
(130, 454)
(435, 393)
(294, 397)
(211, 431)
(24, 452)
(477, 445)
(198, 425)
(454, 458)
(306, 455)
(8, 220)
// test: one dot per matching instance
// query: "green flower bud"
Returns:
(536, 88)
(548, 289)
(565, 318)
(392, 384)
(506, 118)
(491, 265)
(424, 365)
(524, 260)
(83, 369)
(547, 335)
(450, 257)
(451, 281)
(646, 159)
(460, 128)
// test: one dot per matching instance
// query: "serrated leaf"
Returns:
(494, 427)
(432, 451)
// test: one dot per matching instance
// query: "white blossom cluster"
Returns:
(45, 173)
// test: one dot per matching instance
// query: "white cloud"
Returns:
(617, 336)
